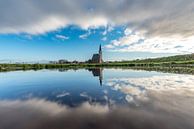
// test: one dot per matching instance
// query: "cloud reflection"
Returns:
(138, 88)
(63, 94)
(39, 114)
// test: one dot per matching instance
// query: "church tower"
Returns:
(100, 54)
(97, 58)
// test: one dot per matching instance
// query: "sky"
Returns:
(34, 30)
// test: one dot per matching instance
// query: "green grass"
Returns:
(184, 63)
(150, 67)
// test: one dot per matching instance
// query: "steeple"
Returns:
(100, 49)
(97, 58)
(100, 54)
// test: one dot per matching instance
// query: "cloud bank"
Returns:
(154, 17)
(137, 42)
(157, 26)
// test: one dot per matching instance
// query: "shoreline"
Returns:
(166, 68)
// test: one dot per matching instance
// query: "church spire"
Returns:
(100, 54)
(97, 58)
(100, 49)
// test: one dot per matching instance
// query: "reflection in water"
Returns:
(39, 114)
(73, 100)
(136, 88)
(97, 72)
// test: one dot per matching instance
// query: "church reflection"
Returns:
(97, 72)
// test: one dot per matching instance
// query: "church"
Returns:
(97, 58)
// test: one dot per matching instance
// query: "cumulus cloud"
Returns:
(156, 17)
(62, 37)
(108, 29)
(166, 25)
(135, 41)
(87, 34)
(84, 36)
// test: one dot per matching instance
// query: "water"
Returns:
(96, 99)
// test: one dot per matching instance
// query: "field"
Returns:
(175, 64)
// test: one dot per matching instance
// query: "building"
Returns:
(53, 62)
(97, 58)
(63, 61)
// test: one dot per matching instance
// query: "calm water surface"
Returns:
(96, 99)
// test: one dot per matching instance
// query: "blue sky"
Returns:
(66, 43)
(72, 29)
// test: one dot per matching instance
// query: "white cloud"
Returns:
(108, 29)
(84, 36)
(88, 33)
(128, 31)
(132, 42)
(104, 33)
(104, 38)
(156, 17)
(62, 37)
(167, 25)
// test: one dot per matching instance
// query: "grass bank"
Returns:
(176, 64)
(187, 68)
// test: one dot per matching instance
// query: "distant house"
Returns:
(63, 61)
(53, 62)
(97, 58)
